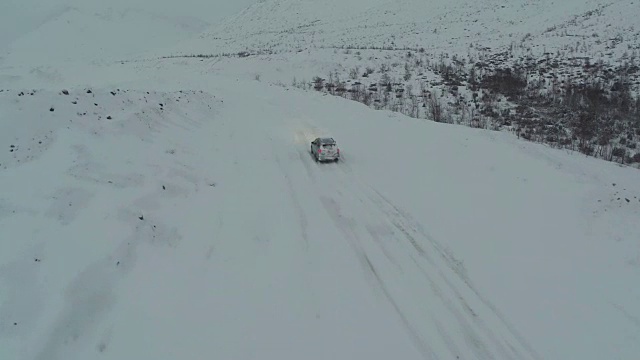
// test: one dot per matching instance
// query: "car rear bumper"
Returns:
(328, 157)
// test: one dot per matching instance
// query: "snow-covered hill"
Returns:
(537, 69)
(454, 26)
(164, 208)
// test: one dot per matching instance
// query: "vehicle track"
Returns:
(302, 218)
(408, 249)
(347, 228)
(456, 266)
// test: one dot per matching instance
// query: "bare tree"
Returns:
(318, 83)
(354, 73)
(435, 109)
(407, 72)
(585, 128)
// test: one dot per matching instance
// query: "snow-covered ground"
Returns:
(426, 240)
(170, 208)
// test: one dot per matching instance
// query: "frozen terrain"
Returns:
(169, 208)
(203, 226)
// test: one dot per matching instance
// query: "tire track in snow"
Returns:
(343, 224)
(303, 158)
(412, 230)
(456, 267)
(293, 196)
(451, 346)
(425, 349)
(404, 223)
(374, 232)
(347, 227)
(476, 333)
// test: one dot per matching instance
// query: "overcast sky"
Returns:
(208, 10)
(20, 16)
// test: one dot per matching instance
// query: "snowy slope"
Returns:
(424, 48)
(552, 40)
(205, 225)
(455, 26)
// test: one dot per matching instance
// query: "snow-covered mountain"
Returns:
(455, 26)
(155, 205)
(538, 69)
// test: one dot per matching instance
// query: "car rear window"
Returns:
(328, 146)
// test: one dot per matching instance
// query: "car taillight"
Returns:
(319, 151)
(338, 151)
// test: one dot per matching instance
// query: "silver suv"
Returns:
(325, 149)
